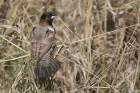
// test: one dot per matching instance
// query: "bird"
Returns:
(42, 43)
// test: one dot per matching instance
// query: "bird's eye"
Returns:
(47, 33)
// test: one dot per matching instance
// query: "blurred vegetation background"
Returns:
(98, 43)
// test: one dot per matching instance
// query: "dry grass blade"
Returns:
(15, 58)
(18, 78)
(13, 44)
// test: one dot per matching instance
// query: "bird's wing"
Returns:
(44, 46)
(33, 42)
(40, 45)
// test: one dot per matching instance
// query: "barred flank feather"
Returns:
(47, 67)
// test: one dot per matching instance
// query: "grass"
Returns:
(97, 42)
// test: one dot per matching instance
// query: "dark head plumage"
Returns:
(48, 17)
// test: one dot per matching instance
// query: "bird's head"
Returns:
(48, 17)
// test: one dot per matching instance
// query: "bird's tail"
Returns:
(47, 67)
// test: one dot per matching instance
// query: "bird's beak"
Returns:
(53, 16)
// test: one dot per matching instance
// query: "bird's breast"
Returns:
(38, 33)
